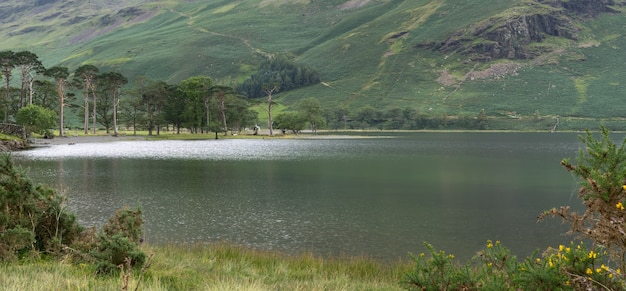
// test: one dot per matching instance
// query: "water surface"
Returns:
(379, 196)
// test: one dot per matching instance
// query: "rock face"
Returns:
(587, 8)
(511, 36)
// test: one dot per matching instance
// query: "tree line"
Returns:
(308, 113)
(103, 100)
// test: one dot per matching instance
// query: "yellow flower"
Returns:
(619, 205)
(567, 250)
(561, 248)
(451, 256)
(489, 244)
(624, 187)
(589, 271)
(610, 276)
(567, 283)
(598, 270)
(422, 255)
(618, 271)
(550, 263)
(603, 267)
(592, 255)
(490, 264)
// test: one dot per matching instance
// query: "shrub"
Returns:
(438, 271)
(118, 242)
(37, 119)
(601, 169)
(31, 217)
(494, 268)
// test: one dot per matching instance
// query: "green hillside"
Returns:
(524, 63)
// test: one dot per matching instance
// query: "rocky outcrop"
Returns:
(586, 8)
(12, 145)
(511, 34)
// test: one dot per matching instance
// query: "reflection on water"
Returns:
(355, 196)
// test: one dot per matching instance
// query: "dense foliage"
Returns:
(36, 119)
(279, 71)
(34, 221)
(33, 218)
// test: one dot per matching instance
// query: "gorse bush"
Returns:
(118, 242)
(601, 169)
(574, 267)
(32, 217)
(34, 220)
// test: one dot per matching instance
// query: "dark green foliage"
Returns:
(14, 241)
(281, 71)
(127, 223)
(308, 111)
(119, 241)
(574, 267)
(37, 119)
(289, 121)
(438, 272)
(31, 217)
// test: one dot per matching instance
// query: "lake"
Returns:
(378, 195)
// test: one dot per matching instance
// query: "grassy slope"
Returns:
(358, 61)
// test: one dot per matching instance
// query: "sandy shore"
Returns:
(82, 139)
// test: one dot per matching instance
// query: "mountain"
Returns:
(534, 62)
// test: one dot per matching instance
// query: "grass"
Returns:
(9, 137)
(214, 267)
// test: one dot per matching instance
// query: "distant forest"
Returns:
(106, 101)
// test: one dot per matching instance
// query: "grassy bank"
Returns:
(212, 267)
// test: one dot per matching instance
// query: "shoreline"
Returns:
(322, 134)
(35, 142)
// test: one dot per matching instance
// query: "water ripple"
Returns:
(194, 150)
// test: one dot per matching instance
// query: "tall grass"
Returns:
(215, 267)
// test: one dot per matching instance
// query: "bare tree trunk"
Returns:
(93, 93)
(208, 113)
(223, 110)
(7, 96)
(23, 88)
(61, 93)
(269, 108)
(31, 80)
(269, 115)
(86, 125)
(115, 101)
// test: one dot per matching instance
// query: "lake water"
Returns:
(379, 196)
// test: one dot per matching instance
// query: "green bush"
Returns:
(119, 241)
(37, 119)
(34, 219)
(601, 170)
(31, 217)
(494, 268)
